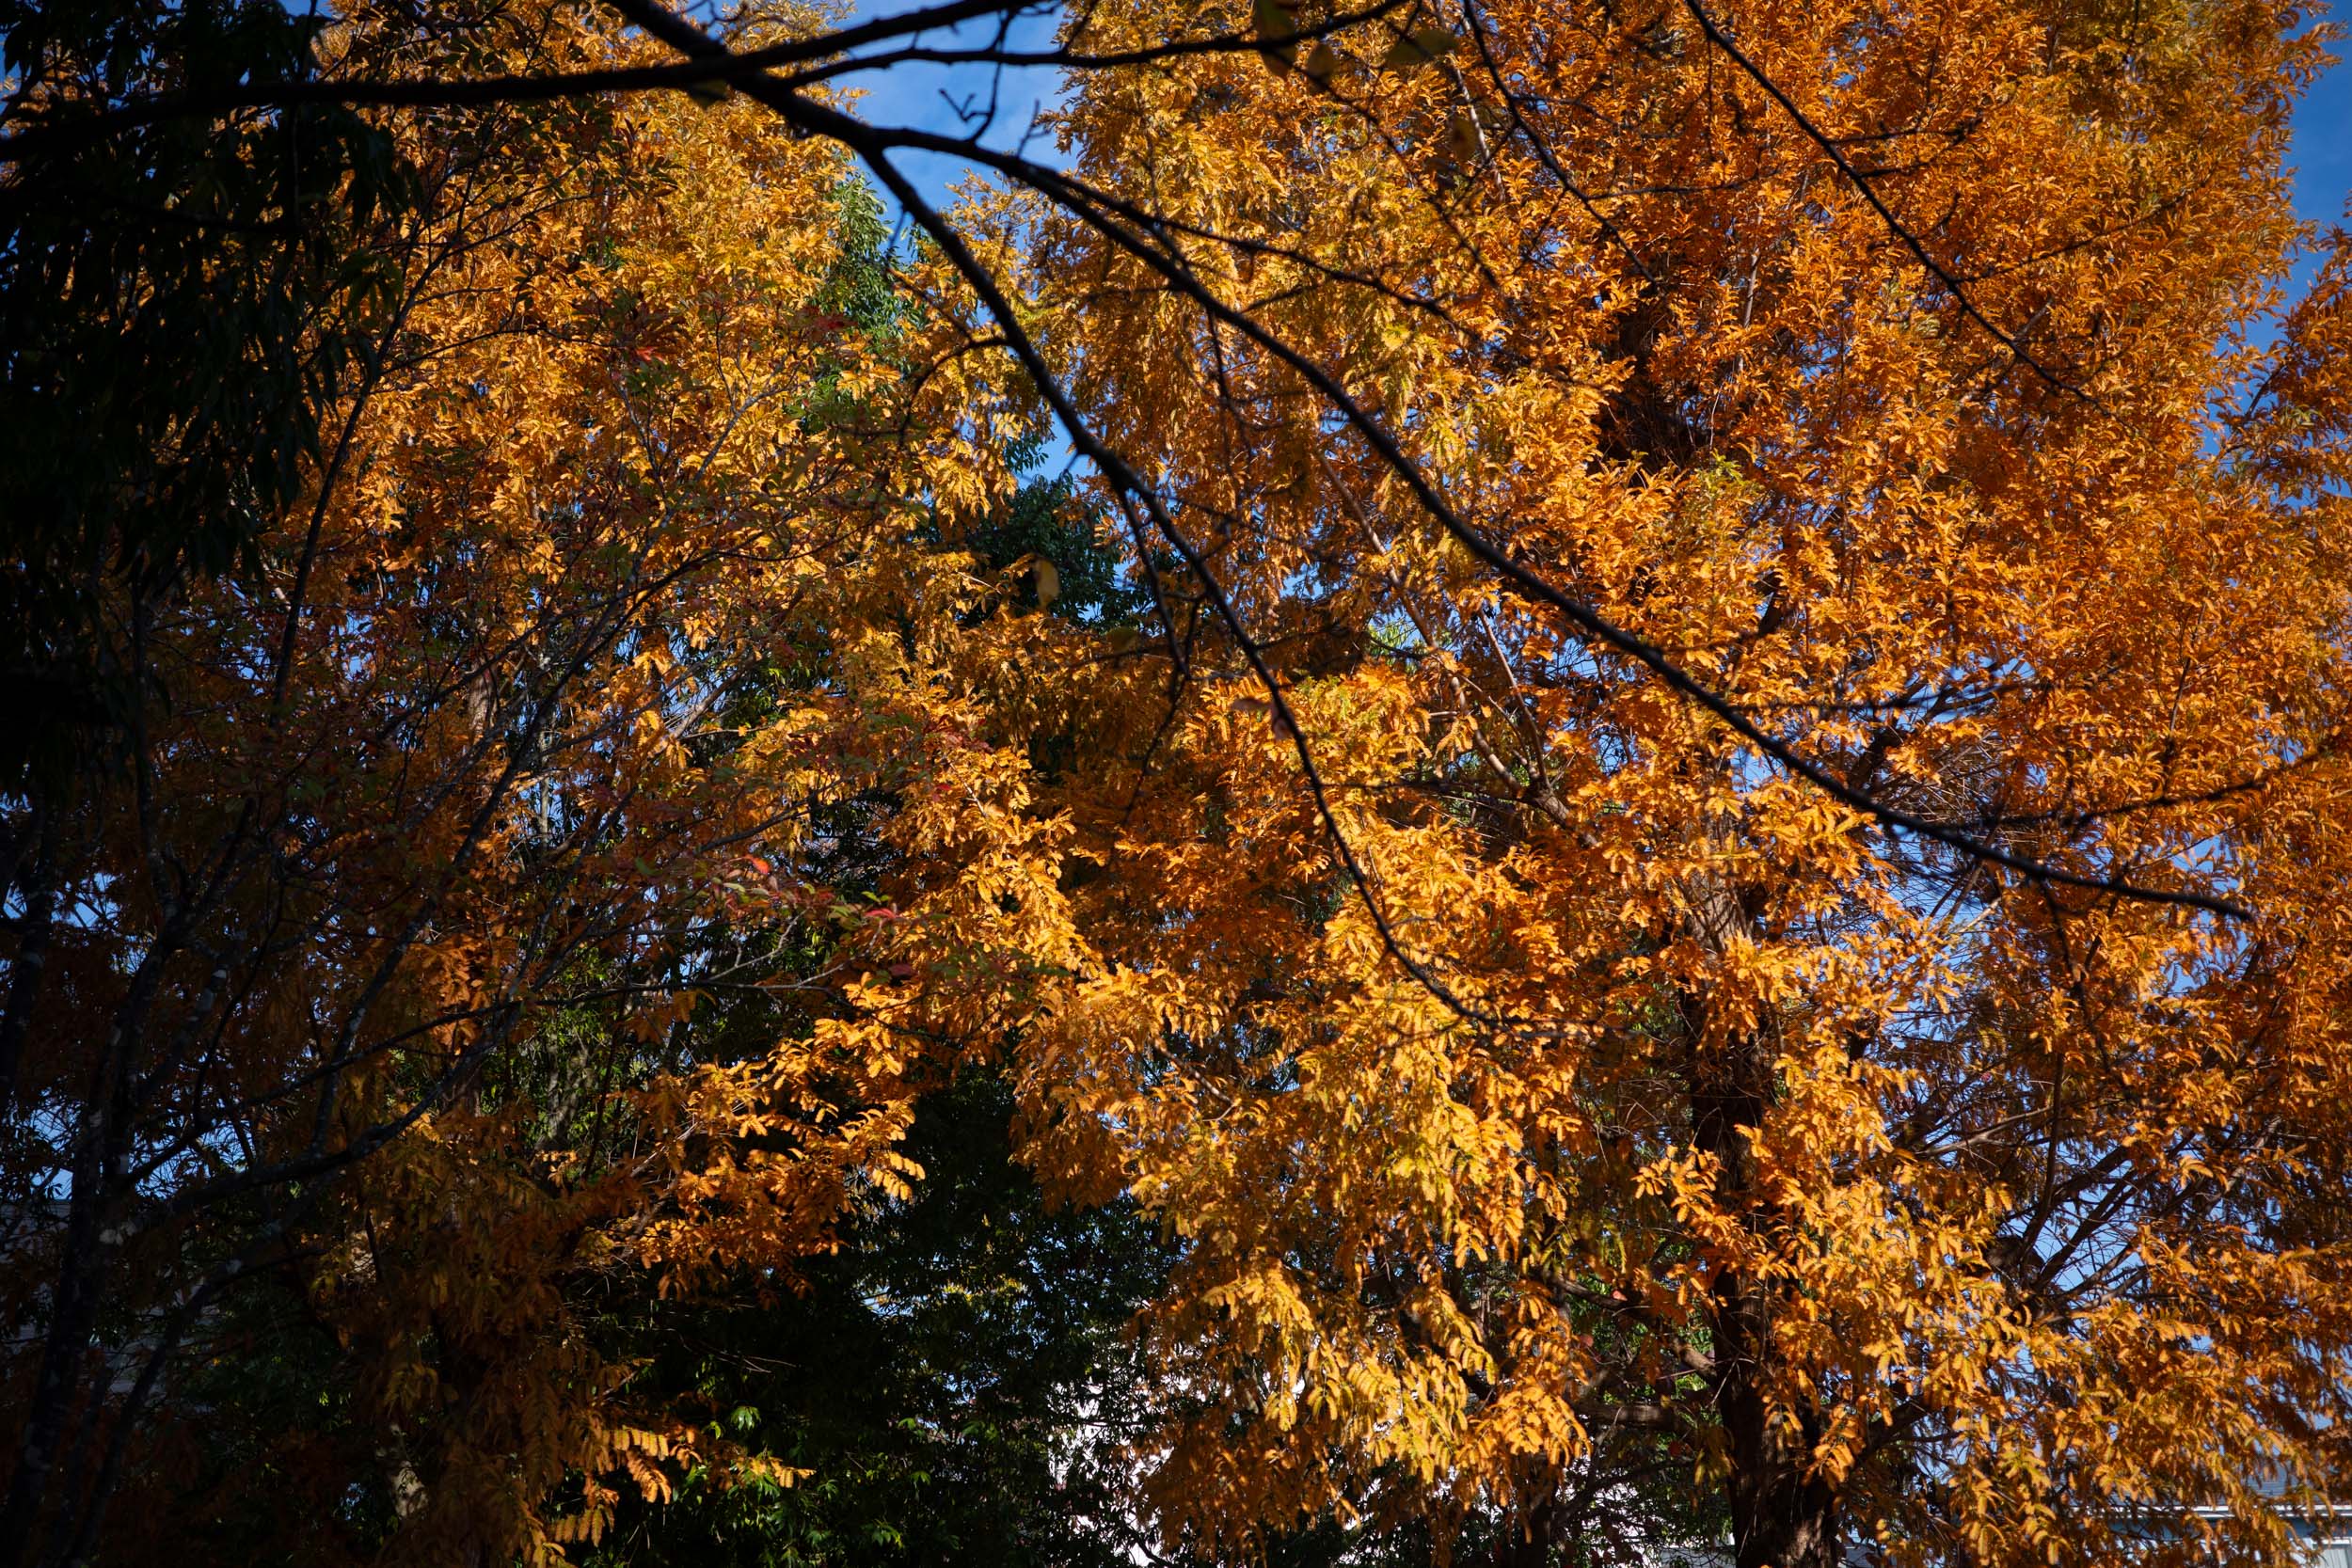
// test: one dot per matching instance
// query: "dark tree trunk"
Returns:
(1781, 1515)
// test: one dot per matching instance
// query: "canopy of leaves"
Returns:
(1646, 844)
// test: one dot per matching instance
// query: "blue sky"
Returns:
(937, 98)
(2323, 147)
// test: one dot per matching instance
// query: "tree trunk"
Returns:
(1782, 1516)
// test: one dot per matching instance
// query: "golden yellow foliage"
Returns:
(1722, 853)
(1619, 1093)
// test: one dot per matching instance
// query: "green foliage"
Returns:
(957, 1382)
(277, 1471)
(178, 305)
(1047, 518)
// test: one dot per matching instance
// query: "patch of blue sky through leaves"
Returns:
(996, 104)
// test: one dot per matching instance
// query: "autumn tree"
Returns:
(534, 704)
(1707, 855)
(1715, 888)
(1738, 857)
